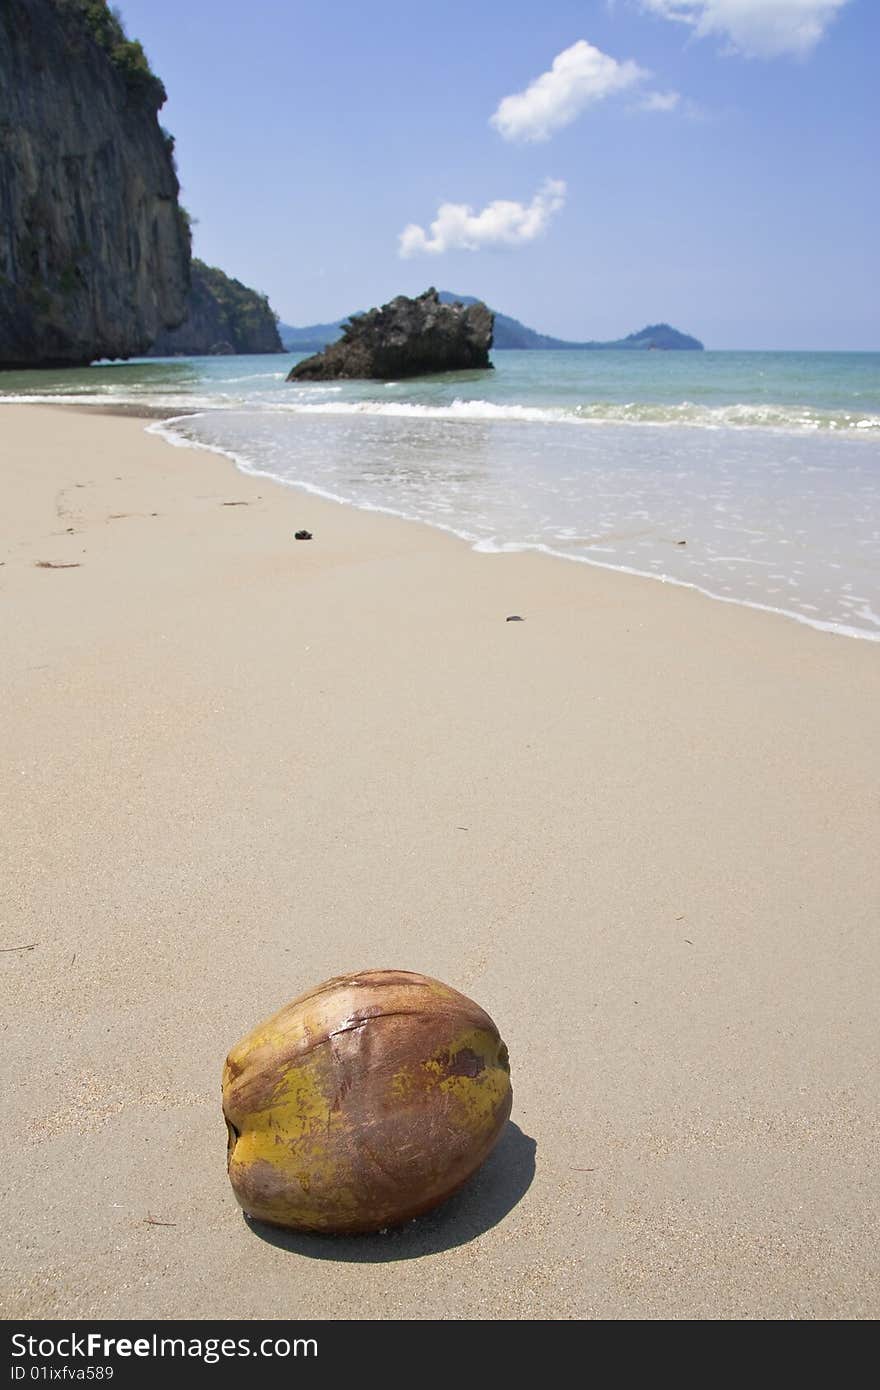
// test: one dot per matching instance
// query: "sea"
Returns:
(753, 477)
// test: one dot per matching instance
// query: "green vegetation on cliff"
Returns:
(244, 309)
(223, 316)
(127, 55)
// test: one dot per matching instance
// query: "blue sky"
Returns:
(712, 163)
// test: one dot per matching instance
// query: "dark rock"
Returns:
(303, 536)
(514, 618)
(94, 248)
(223, 316)
(408, 337)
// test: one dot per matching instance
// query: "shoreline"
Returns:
(473, 543)
(641, 831)
(159, 415)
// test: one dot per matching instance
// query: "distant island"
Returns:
(509, 333)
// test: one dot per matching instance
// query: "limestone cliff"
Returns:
(408, 337)
(94, 249)
(222, 316)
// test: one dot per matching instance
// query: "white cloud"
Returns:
(755, 28)
(660, 101)
(458, 228)
(580, 76)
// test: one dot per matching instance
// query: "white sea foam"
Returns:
(322, 400)
(739, 416)
(255, 376)
(458, 410)
(442, 516)
(114, 398)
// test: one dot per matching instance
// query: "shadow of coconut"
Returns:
(496, 1189)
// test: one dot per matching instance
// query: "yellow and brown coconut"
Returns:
(363, 1103)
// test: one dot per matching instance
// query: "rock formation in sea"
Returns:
(222, 316)
(408, 337)
(94, 248)
(508, 333)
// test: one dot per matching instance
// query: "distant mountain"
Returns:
(509, 333)
(311, 339)
(656, 335)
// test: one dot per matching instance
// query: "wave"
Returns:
(738, 416)
(155, 400)
(602, 413)
(686, 414)
(251, 377)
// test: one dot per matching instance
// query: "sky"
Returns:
(588, 166)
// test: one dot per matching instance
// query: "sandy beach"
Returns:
(639, 827)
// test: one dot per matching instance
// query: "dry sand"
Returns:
(639, 827)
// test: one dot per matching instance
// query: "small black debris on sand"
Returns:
(303, 536)
(515, 618)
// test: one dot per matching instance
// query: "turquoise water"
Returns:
(812, 390)
(765, 465)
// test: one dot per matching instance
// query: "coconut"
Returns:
(363, 1103)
